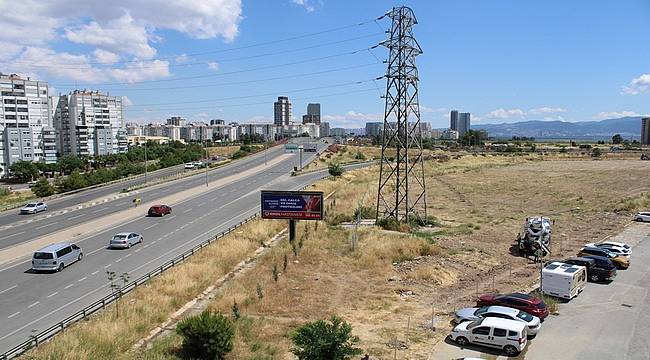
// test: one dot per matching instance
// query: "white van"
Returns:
(56, 256)
(509, 335)
(563, 280)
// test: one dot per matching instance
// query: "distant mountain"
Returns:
(628, 127)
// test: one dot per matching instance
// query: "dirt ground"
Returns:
(398, 290)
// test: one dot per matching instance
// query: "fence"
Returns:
(48, 333)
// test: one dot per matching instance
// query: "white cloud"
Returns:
(614, 114)
(181, 59)
(141, 70)
(306, 4)
(126, 101)
(105, 57)
(637, 85)
(546, 110)
(506, 114)
(426, 109)
(213, 65)
(259, 119)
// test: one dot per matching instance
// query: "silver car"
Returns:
(643, 216)
(55, 257)
(33, 208)
(470, 314)
(125, 240)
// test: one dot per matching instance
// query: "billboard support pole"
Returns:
(292, 230)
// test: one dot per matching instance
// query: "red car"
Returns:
(159, 210)
(524, 302)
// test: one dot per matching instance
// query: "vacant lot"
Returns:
(390, 285)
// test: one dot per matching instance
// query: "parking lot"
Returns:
(606, 321)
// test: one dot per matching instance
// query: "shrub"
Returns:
(4, 191)
(335, 169)
(322, 340)
(239, 154)
(596, 152)
(206, 336)
(360, 156)
(366, 212)
(43, 188)
(393, 224)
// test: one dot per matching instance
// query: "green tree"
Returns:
(322, 340)
(471, 138)
(617, 139)
(70, 163)
(596, 152)
(206, 336)
(24, 170)
(335, 169)
(43, 188)
(73, 181)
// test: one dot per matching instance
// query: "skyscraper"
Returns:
(463, 123)
(313, 114)
(453, 120)
(645, 131)
(282, 111)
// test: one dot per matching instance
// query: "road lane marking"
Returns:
(12, 315)
(83, 278)
(106, 267)
(46, 225)
(188, 210)
(149, 227)
(146, 246)
(118, 260)
(201, 204)
(34, 304)
(138, 250)
(8, 236)
(53, 294)
(153, 242)
(9, 288)
(169, 218)
(95, 272)
(102, 209)
(76, 216)
(69, 286)
(128, 255)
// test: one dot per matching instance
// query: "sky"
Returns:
(502, 61)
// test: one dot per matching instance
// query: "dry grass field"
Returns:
(391, 284)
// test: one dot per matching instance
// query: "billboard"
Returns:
(298, 205)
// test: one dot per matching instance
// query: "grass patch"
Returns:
(632, 204)
(15, 198)
(551, 302)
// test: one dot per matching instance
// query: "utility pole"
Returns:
(401, 191)
(265, 147)
(300, 151)
(145, 162)
(206, 163)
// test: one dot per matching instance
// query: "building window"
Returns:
(12, 109)
(10, 117)
(22, 102)
(10, 101)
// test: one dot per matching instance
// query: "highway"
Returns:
(35, 301)
(63, 213)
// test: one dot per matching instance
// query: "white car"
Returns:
(509, 335)
(616, 243)
(33, 208)
(189, 166)
(503, 312)
(643, 216)
(125, 240)
(618, 250)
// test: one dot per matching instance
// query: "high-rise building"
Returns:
(453, 120)
(24, 105)
(176, 120)
(374, 128)
(324, 129)
(313, 109)
(282, 111)
(463, 123)
(645, 131)
(88, 123)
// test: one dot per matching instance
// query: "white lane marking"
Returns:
(76, 216)
(69, 286)
(153, 242)
(12, 315)
(53, 294)
(98, 210)
(146, 246)
(95, 272)
(34, 304)
(106, 267)
(149, 227)
(46, 225)
(83, 278)
(94, 251)
(8, 236)
(188, 210)
(128, 255)
(201, 204)
(118, 260)
(170, 217)
(9, 288)
(138, 250)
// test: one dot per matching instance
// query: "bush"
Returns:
(360, 156)
(596, 152)
(393, 224)
(239, 154)
(4, 191)
(206, 336)
(43, 188)
(335, 169)
(366, 212)
(321, 340)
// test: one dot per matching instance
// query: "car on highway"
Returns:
(33, 208)
(596, 270)
(621, 262)
(643, 216)
(56, 257)
(509, 335)
(470, 314)
(189, 165)
(159, 210)
(524, 302)
(125, 240)
(618, 250)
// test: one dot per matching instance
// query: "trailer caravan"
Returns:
(563, 280)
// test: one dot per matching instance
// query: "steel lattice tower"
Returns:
(401, 191)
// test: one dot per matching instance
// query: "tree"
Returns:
(70, 163)
(596, 152)
(617, 139)
(335, 169)
(206, 336)
(24, 170)
(471, 137)
(322, 340)
(43, 188)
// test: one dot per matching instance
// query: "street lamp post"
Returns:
(206, 163)
(145, 162)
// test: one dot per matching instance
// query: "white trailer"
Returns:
(563, 280)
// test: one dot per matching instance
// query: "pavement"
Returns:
(606, 321)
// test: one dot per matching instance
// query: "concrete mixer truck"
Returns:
(536, 237)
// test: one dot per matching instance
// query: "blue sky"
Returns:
(503, 61)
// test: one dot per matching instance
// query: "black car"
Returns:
(597, 269)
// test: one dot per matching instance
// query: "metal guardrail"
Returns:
(45, 335)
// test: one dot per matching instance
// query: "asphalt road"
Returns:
(34, 301)
(606, 321)
(62, 213)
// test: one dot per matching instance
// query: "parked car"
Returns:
(159, 210)
(125, 240)
(55, 257)
(198, 164)
(471, 314)
(618, 250)
(33, 208)
(189, 165)
(616, 243)
(643, 216)
(596, 271)
(509, 335)
(524, 302)
(621, 262)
